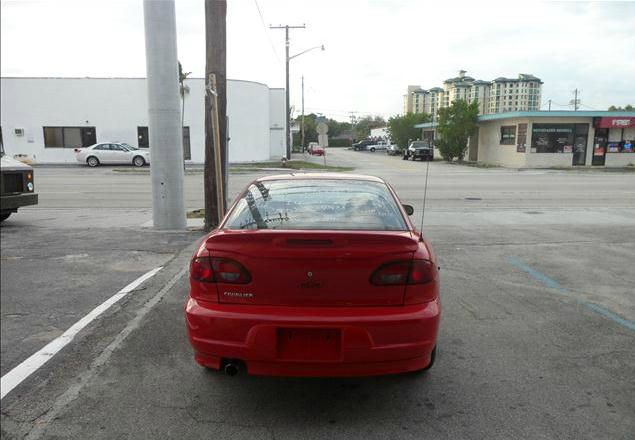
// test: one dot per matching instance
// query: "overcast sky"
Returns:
(374, 49)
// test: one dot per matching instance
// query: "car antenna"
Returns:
(425, 191)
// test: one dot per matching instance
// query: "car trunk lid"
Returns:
(312, 268)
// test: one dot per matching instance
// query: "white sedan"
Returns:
(377, 146)
(112, 153)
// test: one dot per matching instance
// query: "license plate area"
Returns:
(309, 344)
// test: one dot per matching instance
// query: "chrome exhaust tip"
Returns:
(231, 369)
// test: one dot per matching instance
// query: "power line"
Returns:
(264, 26)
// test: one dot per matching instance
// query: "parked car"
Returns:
(16, 185)
(361, 145)
(377, 146)
(314, 275)
(419, 150)
(393, 150)
(112, 153)
(315, 149)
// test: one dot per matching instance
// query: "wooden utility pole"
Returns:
(302, 122)
(215, 111)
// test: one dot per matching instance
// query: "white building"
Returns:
(75, 112)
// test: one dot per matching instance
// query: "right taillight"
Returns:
(405, 272)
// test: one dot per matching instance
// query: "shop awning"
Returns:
(614, 122)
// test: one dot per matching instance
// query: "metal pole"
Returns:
(164, 115)
(575, 101)
(302, 122)
(288, 106)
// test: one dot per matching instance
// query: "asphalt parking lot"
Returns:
(536, 339)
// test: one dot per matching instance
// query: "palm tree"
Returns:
(183, 90)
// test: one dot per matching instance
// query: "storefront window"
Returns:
(558, 138)
(508, 135)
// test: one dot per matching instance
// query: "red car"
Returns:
(317, 151)
(315, 275)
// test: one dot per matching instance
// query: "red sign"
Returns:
(615, 122)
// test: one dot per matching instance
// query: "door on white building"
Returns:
(579, 144)
(600, 143)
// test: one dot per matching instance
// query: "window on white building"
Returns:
(69, 137)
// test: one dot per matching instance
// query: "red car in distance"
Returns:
(315, 150)
(315, 275)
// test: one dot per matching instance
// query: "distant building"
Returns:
(543, 139)
(497, 96)
(47, 118)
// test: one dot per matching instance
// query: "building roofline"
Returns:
(127, 77)
(553, 114)
(543, 114)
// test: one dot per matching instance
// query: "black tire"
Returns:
(138, 161)
(92, 161)
(433, 356)
(4, 216)
(372, 150)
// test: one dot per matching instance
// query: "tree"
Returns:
(365, 124)
(456, 124)
(401, 128)
(628, 108)
(183, 89)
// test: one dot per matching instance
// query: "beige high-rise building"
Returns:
(497, 96)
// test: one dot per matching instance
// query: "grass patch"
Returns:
(291, 165)
(477, 164)
(196, 213)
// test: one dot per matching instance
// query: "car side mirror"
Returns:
(409, 209)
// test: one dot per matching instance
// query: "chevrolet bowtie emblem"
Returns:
(309, 274)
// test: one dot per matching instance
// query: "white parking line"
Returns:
(14, 377)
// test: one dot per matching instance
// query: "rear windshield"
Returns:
(317, 204)
(420, 145)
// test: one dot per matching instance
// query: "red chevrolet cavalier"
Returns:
(315, 275)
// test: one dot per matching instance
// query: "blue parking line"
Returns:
(612, 316)
(553, 284)
(547, 281)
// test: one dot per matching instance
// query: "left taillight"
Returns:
(218, 270)
(407, 272)
(230, 271)
(201, 270)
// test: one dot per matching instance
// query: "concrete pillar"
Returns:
(164, 115)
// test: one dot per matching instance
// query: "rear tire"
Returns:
(138, 161)
(372, 150)
(4, 216)
(92, 161)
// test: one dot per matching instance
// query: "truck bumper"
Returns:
(15, 201)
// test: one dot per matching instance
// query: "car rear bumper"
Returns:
(423, 155)
(363, 341)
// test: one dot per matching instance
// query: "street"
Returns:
(536, 340)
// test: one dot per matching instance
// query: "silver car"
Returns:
(377, 146)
